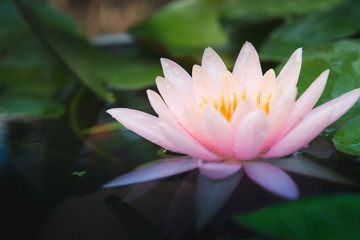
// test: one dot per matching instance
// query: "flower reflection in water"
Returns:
(229, 123)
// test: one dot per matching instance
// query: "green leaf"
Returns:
(347, 139)
(185, 27)
(29, 107)
(26, 68)
(273, 8)
(129, 70)
(332, 217)
(132, 71)
(312, 30)
(64, 41)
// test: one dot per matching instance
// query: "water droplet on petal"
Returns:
(167, 86)
(213, 58)
(235, 149)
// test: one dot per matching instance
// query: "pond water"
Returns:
(52, 173)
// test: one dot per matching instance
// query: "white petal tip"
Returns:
(196, 68)
(164, 60)
(112, 111)
(208, 49)
(298, 54)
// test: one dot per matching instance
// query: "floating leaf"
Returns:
(28, 83)
(64, 42)
(185, 27)
(14, 107)
(312, 30)
(347, 139)
(332, 217)
(274, 8)
(132, 69)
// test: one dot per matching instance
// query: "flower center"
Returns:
(227, 109)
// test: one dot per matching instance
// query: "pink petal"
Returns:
(272, 179)
(159, 106)
(143, 124)
(155, 170)
(280, 112)
(301, 165)
(267, 85)
(240, 112)
(247, 69)
(174, 98)
(212, 195)
(213, 65)
(177, 75)
(340, 104)
(305, 103)
(194, 126)
(217, 131)
(229, 87)
(217, 171)
(203, 85)
(312, 125)
(186, 144)
(251, 135)
(289, 74)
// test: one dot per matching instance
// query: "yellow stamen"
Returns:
(244, 93)
(201, 106)
(214, 103)
(266, 105)
(228, 114)
(205, 100)
(258, 99)
(222, 104)
(235, 102)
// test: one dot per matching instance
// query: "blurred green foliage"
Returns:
(329, 217)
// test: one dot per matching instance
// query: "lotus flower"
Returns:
(226, 122)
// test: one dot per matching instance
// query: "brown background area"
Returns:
(98, 17)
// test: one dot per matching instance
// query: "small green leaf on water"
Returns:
(79, 174)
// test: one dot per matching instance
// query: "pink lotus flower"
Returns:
(228, 122)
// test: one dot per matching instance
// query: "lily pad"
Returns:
(93, 66)
(312, 30)
(185, 27)
(274, 8)
(331, 217)
(29, 107)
